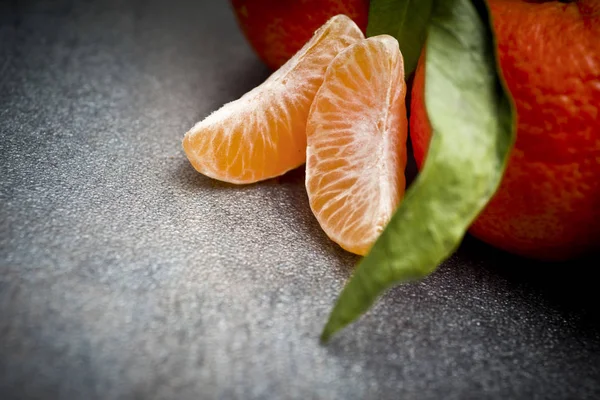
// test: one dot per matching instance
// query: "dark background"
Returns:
(124, 274)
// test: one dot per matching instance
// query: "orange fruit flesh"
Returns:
(356, 135)
(263, 134)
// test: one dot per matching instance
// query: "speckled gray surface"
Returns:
(124, 274)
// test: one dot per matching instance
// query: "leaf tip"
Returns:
(338, 320)
(329, 330)
(325, 336)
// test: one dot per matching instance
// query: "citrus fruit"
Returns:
(263, 134)
(277, 29)
(548, 204)
(356, 135)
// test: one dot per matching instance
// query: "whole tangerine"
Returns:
(548, 204)
(277, 29)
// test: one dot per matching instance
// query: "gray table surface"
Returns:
(125, 274)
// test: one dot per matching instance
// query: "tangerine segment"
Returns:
(356, 152)
(263, 134)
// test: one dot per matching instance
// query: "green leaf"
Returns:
(406, 20)
(473, 122)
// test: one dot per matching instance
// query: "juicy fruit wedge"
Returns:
(263, 134)
(356, 152)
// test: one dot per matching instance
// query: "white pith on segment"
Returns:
(356, 152)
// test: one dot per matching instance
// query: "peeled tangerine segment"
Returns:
(356, 152)
(263, 134)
